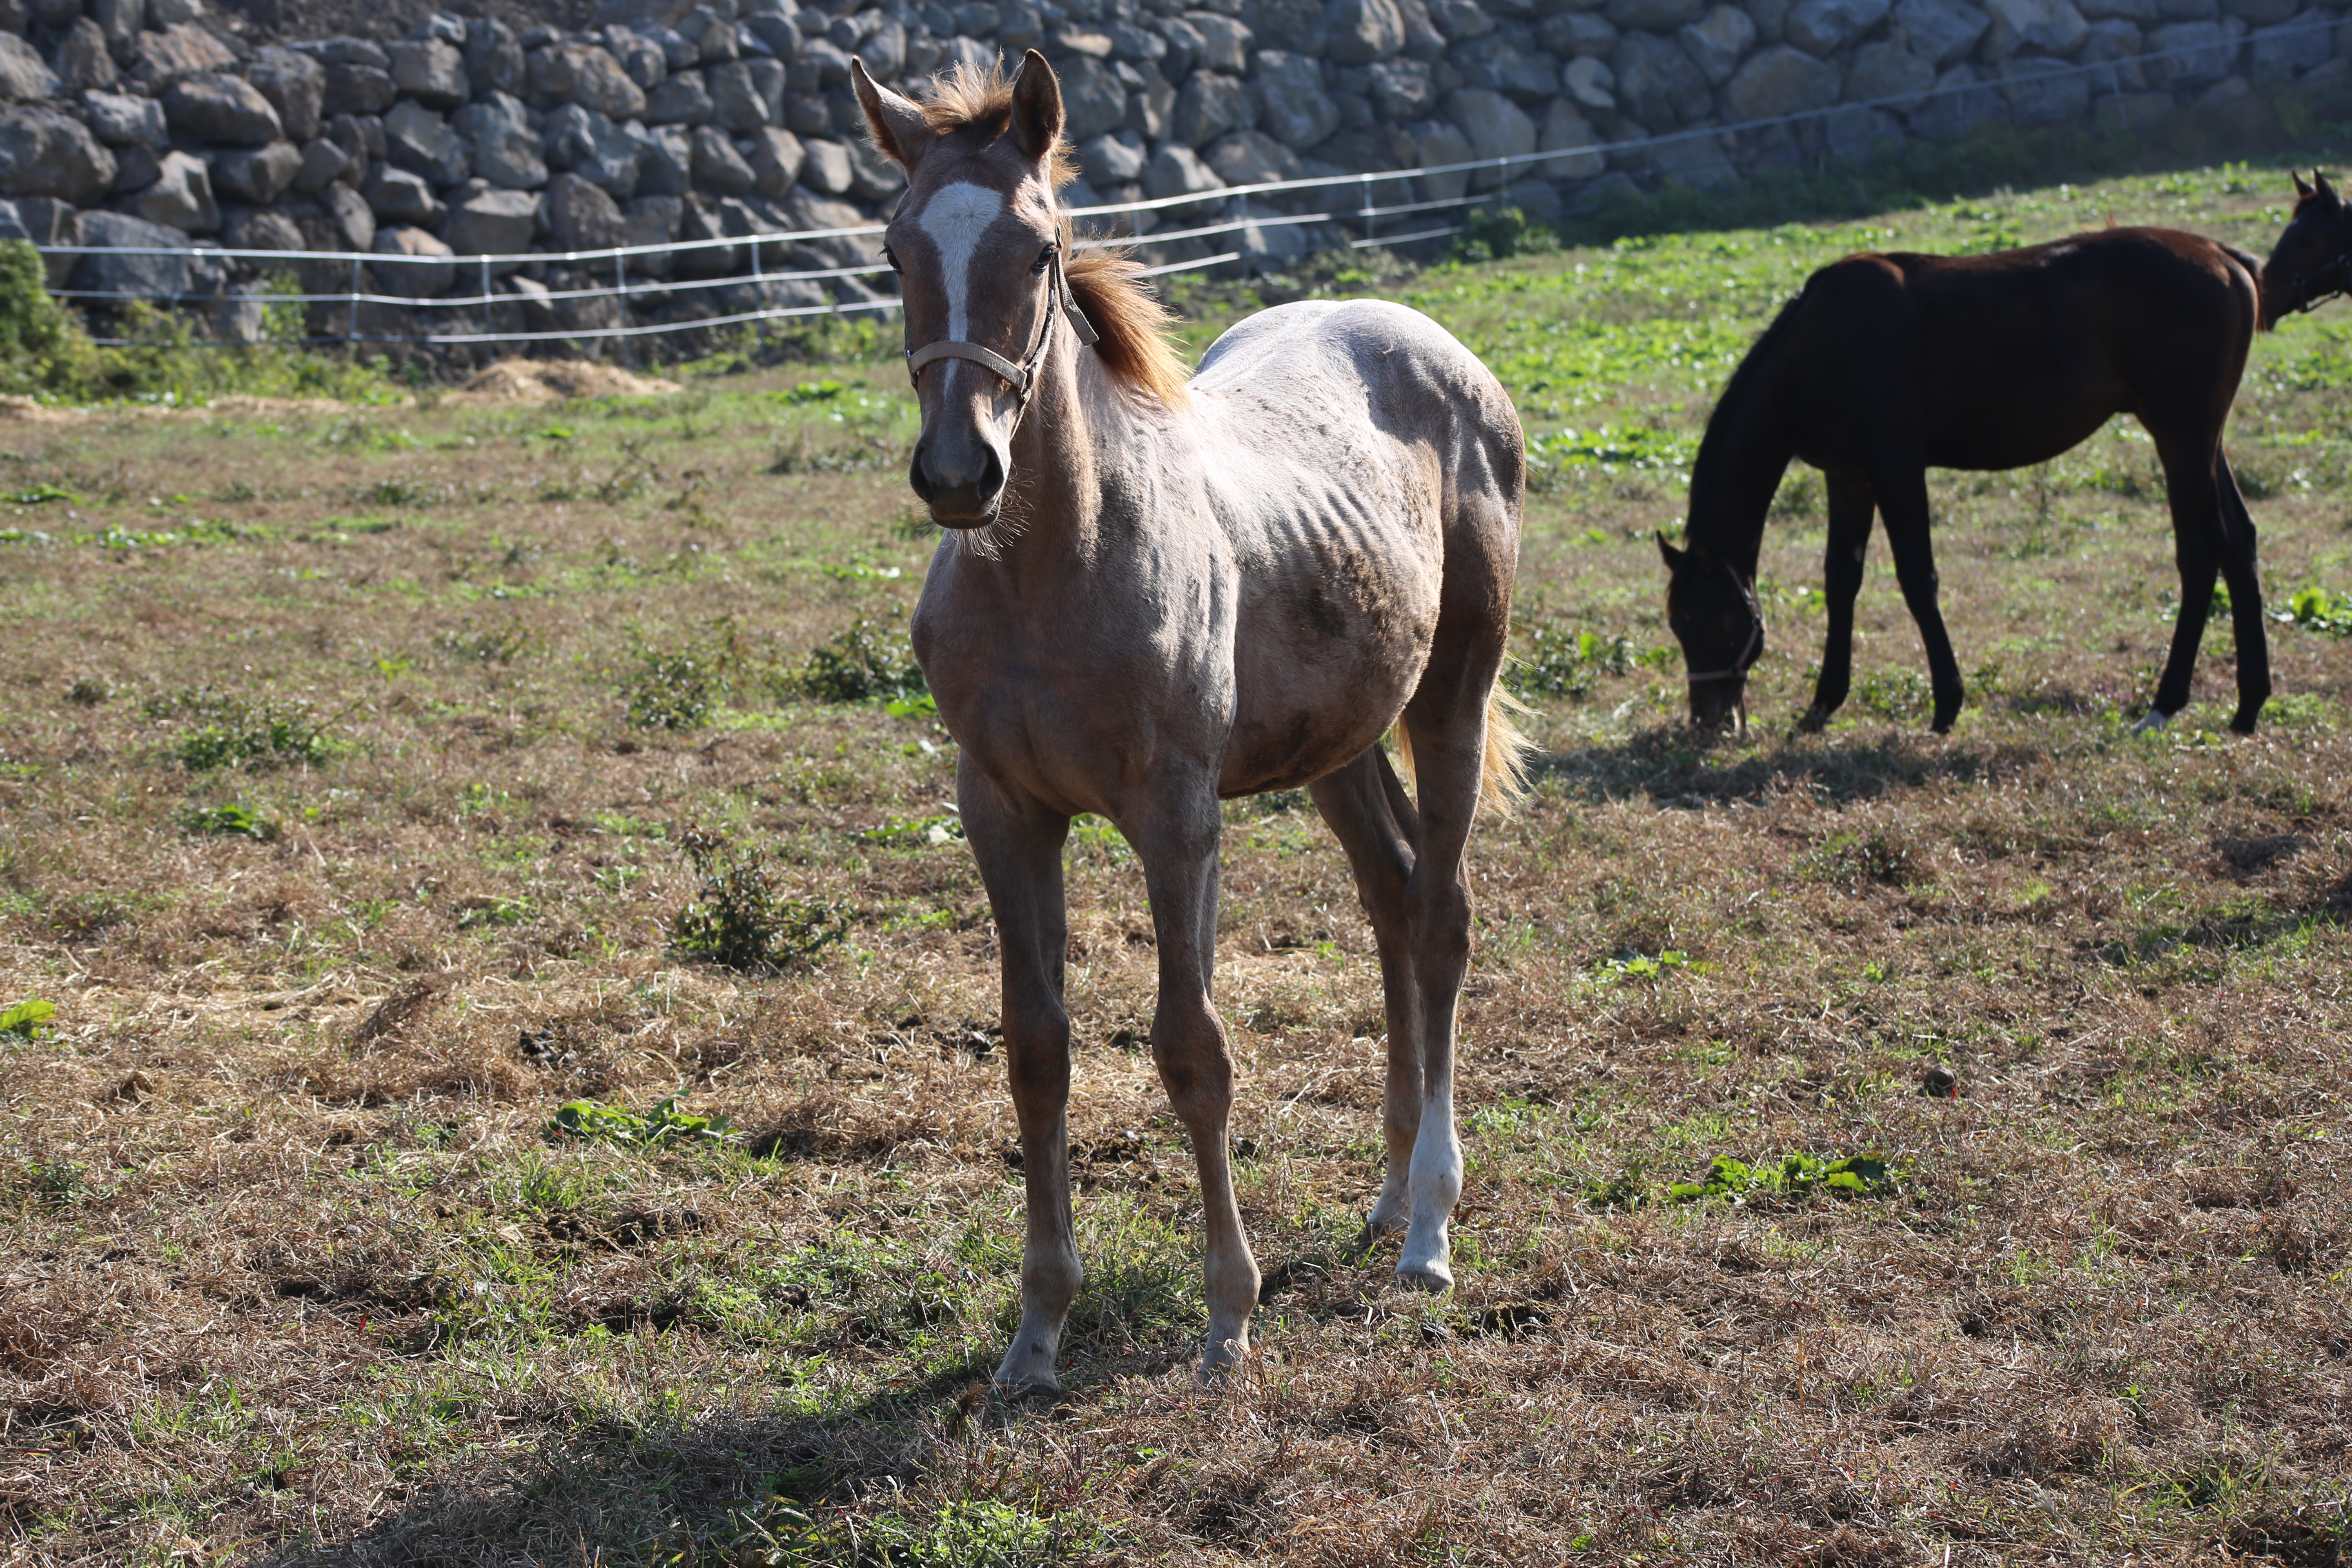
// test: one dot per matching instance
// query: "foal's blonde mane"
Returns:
(976, 104)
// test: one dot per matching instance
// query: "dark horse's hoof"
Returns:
(1816, 719)
(2248, 713)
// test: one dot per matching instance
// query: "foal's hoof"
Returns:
(1432, 1276)
(2154, 723)
(1025, 1376)
(1815, 720)
(1218, 1359)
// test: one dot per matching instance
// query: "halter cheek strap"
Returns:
(1022, 377)
(2321, 284)
(1755, 645)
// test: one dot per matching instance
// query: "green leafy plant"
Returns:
(1797, 1178)
(236, 732)
(2314, 609)
(866, 659)
(1623, 966)
(744, 919)
(26, 1018)
(1561, 663)
(677, 689)
(231, 821)
(43, 348)
(666, 1123)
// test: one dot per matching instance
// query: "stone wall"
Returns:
(145, 122)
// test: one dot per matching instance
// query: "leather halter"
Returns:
(1754, 647)
(1022, 377)
(2335, 275)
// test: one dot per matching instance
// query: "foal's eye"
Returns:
(891, 257)
(1045, 260)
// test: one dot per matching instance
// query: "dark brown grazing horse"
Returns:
(1884, 366)
(2312, 259)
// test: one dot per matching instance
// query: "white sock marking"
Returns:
(955, 220)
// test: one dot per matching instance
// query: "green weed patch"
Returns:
(666, 1123)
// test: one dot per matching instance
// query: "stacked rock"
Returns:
(141, 123)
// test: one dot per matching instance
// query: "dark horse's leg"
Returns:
(1903, 497)
(2245, 602)
(1852, 504)
(1377, 826)
(1018, 844)
(2192, 469)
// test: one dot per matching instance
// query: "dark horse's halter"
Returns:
(1022, 377)
(2322, 283)
(1754, 649)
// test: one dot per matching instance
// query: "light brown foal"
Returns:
(1153, 596)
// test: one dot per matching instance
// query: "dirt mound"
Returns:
(550, 380)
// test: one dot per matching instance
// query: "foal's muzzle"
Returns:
(1717, 702)
(961, 482)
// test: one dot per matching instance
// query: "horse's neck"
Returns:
(1740, 461)
(1055, 497)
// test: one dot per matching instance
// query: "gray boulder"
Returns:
(1362, 31)
(119, 21)
(718, 166)
(401, 195)
(1592, 87)
(643, 61)
(296, 87)
(1956, 103)
(1461, 20)
(1657, 84)
(1428, 143)
(323, 162)
(44, 152)
(2042, 92)
(506, 150)
(582, 216)
(680, 99)
(1093, 98)
(1113, 160)
(431, 72)
(585, 75)
(1718, 42)
(121, 120)
(775, 155)
(159, 58)
(1941, 31)
(1496, 127)
(1224, 42)
(1697, 161)
(1856, 135)
(664, 159)
(825, 167)
(135, 168)
(1499, 64)
(1402, 91)
(2114, 43)
(1781, 80)
(1209, 104)
(1566, 131)
(221, 109)
(2293, 51)
(2211, 52)
(1175, 170)
(353, 220)
(1887, 71)
(356, 88)
(872, 177)
(736, 102)
(2041, 27)
(419, 267)
(2144, 12)
(181, 196)
(414, 137)
(256, 175)
(1578, 35)
(589, 145)
(492, 223)
(1655, 16)
(652, 221)
(494, 61)
(1825, 26)
(248, 229)
(110, 271)
(1251, 158)
(1184, 44)
(345, 50)
(1292, 107)
(81, 59)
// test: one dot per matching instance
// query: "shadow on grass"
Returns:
(1673, 767)
(2241, 925)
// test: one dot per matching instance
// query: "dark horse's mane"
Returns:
(1715, 447)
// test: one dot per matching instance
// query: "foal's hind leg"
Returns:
(1377, 826)
(2192, 467)
(1175, 828)
(2238, 570)
(1903, 497)
(1852, 503)
(1018, 845)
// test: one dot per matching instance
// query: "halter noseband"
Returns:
(1755, 647)
(1022, 377)
(2336, 275)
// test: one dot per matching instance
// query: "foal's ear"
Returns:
(1038, 106)
(2327, 191)
(898, 126)
(2302, 190)
(1668, 554)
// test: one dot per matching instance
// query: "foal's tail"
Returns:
(1503, 780)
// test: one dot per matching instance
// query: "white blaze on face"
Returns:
(956, 219)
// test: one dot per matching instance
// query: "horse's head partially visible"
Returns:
(1716, 616)
(2312, 259)
(977, 244)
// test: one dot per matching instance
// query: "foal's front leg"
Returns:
(1175, 834)
(1902, 499)
(1851, 505)
(1018, 844)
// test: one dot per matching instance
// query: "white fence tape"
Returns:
(1365, 213)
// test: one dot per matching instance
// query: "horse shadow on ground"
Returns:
(1673, 766)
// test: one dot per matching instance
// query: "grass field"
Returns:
(373, 783)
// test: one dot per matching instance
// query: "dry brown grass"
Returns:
(294, 1271)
